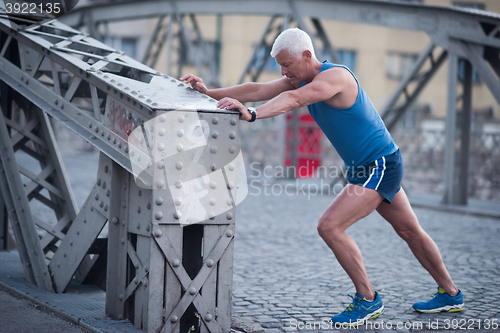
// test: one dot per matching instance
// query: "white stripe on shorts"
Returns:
(381, 176)
(371, 175)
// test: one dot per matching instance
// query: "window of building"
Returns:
(460, 71)
(399, 64)
(348, 58)
(466, 4)
(129, 45)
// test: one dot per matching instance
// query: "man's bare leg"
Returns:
(352, 204)
(404, 221)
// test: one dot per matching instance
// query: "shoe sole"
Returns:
(368, 317)
(447, 308)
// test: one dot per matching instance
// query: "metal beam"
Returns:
(451, 119)
(465, 137)
(439, 22)
(392, 113)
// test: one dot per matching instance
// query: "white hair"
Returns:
(295, 41)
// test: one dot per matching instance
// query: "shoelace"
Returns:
(353, 305)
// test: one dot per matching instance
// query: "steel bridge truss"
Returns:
(162, 260)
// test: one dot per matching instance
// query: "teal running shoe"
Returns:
(441, 302)
(359, 311)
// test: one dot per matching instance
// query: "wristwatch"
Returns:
(253, 112)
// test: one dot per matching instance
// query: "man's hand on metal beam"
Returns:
(195, 82)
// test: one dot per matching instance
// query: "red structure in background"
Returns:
(307, 145)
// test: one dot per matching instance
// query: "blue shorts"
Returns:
(383, 175)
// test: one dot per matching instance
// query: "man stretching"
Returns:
(374, 165)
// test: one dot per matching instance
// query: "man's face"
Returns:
(291, 67)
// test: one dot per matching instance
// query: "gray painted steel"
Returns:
(105, 96)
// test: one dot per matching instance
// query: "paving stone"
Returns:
(283, 268)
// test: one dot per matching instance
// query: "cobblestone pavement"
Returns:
(286, 278)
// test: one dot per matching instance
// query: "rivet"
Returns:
(177, 215)
(96, 196)
(215, 120)
(232, 149)
(123, 241)
(208, 317)
(108, 193)
(212, 202)
(229, 216)
(230, 185)
(138, 226)
(192, 291)
(139, 209)
(213, 167)
(211, 215)
(176, 263)
(178, 165)
(115, 220)
(120, 297)
(233, 121)
(159, 165)
(232, 135)
(160, 147)
(160, 183)
(181, 119)
(146, 269)
(139, 193)
(105, 208)
(174, 319)
(178, 184)
(215, 134)
(180, 147)
(106, 169)
(104, 185)
(158, 233)
(178, 201)
(136, 280)
(229, 203)
(210, 262)
(99, 182)
(213, 149)
(159, 201)
(180, 133)
(101, 204)
(162, 118)
(229, 233)
(158, 215)
(212, 185)
(161, 132)
(148, 228)
(90, 125)
(230, 166)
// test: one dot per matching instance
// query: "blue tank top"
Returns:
(358, 133)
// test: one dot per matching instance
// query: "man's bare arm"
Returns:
(324, 86)
(246, 92)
